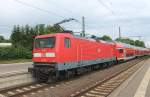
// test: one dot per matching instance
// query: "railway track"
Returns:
(22, 89)
(105, 87)
(14, 78)
(30, 88)
(102, 88)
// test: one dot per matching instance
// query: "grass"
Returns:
(9, 61)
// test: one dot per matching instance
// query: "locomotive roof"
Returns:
(125, 45)
(96, 40)
(52, 35)
(71, 35)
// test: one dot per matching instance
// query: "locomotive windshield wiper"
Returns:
(49, 46)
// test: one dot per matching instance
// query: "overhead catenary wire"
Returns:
(66, 10)
(38, 8)
(103, 4)
(51, 12)
(62, 8)
(112, 12)
(43, 10)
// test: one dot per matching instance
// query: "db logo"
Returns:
(98, 50)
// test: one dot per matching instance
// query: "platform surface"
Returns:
(138, 85)
(8, 68)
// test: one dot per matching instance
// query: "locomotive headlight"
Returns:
(37, 55)
(50, 54)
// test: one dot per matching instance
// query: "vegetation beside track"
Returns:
(9, 61)
(15, 53)
(22, 42)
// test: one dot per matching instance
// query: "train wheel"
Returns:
(41, 77)
(105, 65)
(70, 73)
(53, 77)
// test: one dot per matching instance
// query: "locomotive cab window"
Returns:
(45, 42)
(67, 42)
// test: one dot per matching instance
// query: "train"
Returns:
(62, 55)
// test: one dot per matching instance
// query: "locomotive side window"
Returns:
(67, 42)
(120, 50)
(45, 42)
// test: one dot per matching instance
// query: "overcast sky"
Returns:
(101, 16)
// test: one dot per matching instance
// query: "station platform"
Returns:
(138, 85)
(15, 67)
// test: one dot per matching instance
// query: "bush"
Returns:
(15, 53)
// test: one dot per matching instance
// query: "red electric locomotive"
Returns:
(60, 54)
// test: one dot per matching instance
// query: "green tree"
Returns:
(2, 39)
(41, 29)
(20, 36)
(106, 38)
(132, 42)
(139, 43)
(46, 29)
(23, 36)
(17, 36)
(125, 40)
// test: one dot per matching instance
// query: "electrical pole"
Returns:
(119, 32)
(83, 26)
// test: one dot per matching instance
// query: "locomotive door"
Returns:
(79, 54)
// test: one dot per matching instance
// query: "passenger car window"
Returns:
(67, 42)
(120, 50)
